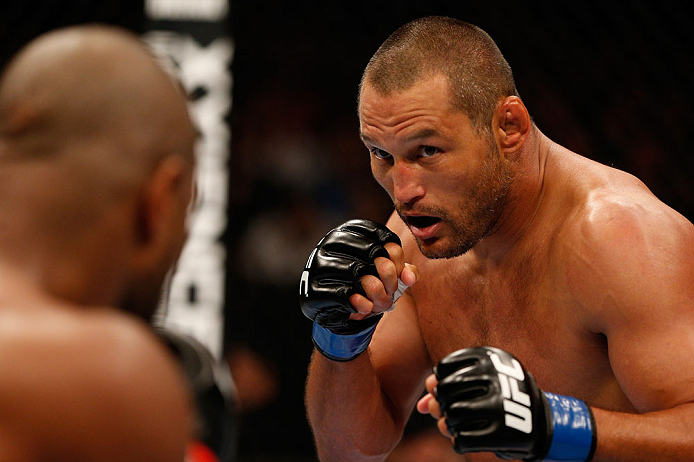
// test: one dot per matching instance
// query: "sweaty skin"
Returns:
(581, 273)
(96, 171)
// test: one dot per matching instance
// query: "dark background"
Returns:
(610, 80)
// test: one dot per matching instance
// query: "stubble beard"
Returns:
(477, 213)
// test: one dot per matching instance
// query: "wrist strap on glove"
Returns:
(573, 432)
(341, 347)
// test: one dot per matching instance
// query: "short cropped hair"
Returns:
(477, 72)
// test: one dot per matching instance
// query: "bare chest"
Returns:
(458, 308)
(524, 311)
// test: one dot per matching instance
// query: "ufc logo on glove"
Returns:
(492, 404)
(516, 402)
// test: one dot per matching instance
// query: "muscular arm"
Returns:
(358, 409)
(638, 282)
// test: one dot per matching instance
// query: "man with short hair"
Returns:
(96, 175)
(553, 296)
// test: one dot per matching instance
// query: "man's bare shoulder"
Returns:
(614, 210)
(596, 201)
(94, 384)
(618, 241)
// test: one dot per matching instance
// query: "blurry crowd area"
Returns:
(610, 80)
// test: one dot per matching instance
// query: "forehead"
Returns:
(434, 90)
(427, 103)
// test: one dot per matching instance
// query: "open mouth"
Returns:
(422, 222)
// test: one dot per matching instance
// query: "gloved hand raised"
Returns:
(351, 277)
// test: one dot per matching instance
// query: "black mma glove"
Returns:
(332, 275)
(211, 383)
(492, 404)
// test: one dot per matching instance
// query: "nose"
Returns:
(407, 184)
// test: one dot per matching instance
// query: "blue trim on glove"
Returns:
(341, 347)
(573, 433)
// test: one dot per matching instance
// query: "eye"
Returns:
(428, 151)
(379, 153)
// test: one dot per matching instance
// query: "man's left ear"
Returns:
(511, 124)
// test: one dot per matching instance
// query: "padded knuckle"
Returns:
(341, 265)
(467, 358)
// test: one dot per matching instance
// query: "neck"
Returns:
(523, 202)
(18, 290)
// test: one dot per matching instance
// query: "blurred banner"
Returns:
(191, 38)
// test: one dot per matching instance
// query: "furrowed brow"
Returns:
(424, 133)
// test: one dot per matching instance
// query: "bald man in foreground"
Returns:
(96, 161)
